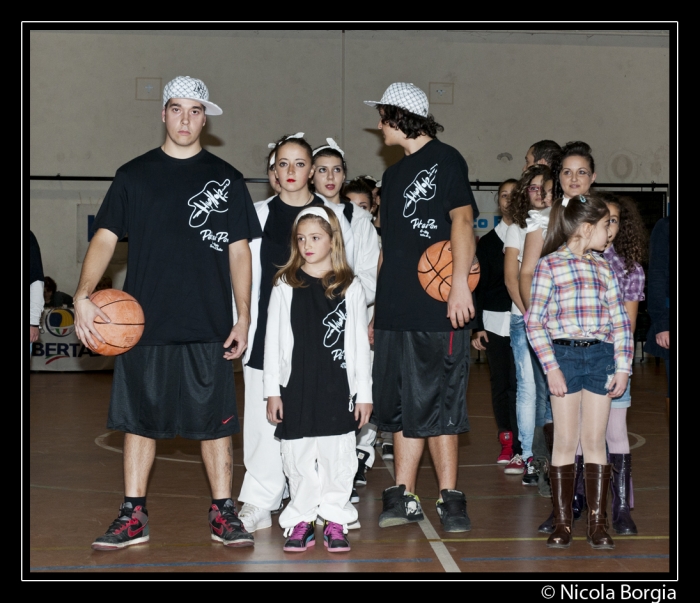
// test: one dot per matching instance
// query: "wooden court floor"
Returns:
(72, 472)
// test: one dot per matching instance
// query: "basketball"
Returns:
(435, 271)
(126, 328)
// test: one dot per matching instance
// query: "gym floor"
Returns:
(73, 469)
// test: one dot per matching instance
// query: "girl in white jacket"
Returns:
(317, 379)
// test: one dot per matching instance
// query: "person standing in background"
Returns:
(658, 301)
(36, 289)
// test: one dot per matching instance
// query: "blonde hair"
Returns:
(339, 278)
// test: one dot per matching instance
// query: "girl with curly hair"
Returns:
(531, 397)
(626, 249)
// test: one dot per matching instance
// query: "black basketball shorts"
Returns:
(420, 382)
(163, 391)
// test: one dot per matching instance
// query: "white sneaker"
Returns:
(254, 518)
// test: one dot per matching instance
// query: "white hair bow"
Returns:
(274, 145)
(332, 144)
(286, 138)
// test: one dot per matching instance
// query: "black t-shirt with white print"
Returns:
(180, 215)
(418, 194)
(316, 401)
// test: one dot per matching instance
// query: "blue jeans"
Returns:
(526, 396)
(543, 405)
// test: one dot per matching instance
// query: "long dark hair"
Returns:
(564, 221)
(631, 242)
(520, 199)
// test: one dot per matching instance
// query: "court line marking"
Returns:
(171, 545)
(446, 560)
(536, 538)
(561, 558)
(128, 566)
(120, 492)
(640, 440)
(100, 441)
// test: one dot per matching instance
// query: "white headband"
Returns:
(332, 144)
(274, 145)
(315, 211)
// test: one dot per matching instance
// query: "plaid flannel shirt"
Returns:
(577, 298)
(631, 283)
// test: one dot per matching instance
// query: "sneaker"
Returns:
(301, 537)
(355, 525)
(354, 497)
(506, 440)
(131, 527)
(399, 507)
(334, 538)
(452, 509)
(360, 479)
(530, 476)
(387, 452)
(227, 528)
(254, 518)
(516, 466)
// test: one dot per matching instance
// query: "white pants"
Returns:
(320, 472)
(368, 434)
(264, 482)
(365, 442)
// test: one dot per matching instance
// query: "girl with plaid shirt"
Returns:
(581, 334)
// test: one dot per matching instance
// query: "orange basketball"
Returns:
(126, 328)
(435, 271)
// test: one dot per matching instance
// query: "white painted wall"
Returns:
(510, 90)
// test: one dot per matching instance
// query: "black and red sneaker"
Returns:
(131, 527)
(227, 528)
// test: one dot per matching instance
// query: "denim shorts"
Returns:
(588, 368)
(625, 400)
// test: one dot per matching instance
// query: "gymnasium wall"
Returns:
(509, 89)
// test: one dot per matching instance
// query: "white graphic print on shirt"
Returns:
(335, 321)
(210, 198)
(422, 188)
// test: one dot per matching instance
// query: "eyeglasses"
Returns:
(534, 189)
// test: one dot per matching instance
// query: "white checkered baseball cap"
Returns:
(184, 86)
(406, 96)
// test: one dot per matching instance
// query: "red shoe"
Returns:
(516, 466)
(506, 439)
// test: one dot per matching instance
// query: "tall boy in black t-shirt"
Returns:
(421, 345)
(188, 216)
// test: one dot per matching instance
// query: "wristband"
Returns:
(80, 299)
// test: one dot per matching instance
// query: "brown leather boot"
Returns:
(597, 485)
(562, 480)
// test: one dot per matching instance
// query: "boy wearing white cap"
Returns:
(189, 218)
(421, 345)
